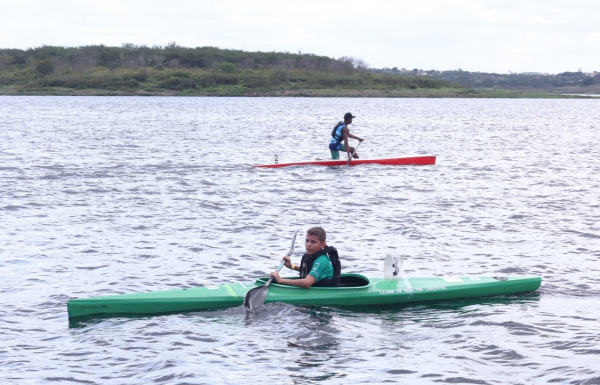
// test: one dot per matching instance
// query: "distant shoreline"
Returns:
(452, 93)
(172, 70)
(584, 95)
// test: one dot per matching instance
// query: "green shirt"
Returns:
(322, 268)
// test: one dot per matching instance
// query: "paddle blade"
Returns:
(256, 297)
(391, 267)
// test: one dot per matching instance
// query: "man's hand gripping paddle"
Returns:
(257, 296)
(350, 158)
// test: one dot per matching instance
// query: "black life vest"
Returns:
(338, 135)
(307, 262)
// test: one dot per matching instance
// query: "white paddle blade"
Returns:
(391, 267)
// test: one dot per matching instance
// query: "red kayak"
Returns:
(405, 160)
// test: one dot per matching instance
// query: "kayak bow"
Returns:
(355, 290)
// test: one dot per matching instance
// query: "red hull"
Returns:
(413, 160)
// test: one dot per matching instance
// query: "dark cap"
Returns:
(348, 116)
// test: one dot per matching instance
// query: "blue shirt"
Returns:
(338, 137)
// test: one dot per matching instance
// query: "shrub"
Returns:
(44, 67)
(177, 84)
(56, 82)
(180, 74)
(227, 79)
(207, 80)
(141, 76)
(587, 81)
(5, 61)
(130, 83)
(226, 67)
(280, 75)
(255, 79)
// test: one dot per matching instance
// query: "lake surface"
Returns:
(111, 195)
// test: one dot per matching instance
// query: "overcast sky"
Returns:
(475, 35)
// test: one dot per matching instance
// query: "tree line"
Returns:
(506, 81)
(86, 58)
(176, 68)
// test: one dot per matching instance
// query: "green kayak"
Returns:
(354, 290)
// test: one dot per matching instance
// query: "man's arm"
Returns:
(346, 134)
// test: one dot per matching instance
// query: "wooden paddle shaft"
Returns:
(349, 159)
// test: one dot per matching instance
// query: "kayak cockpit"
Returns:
(354, 280)
(347, 281)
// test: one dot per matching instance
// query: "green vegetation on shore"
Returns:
(175, 70)
(209, 71)
(196, 81)
(563, 83)
(444, 92)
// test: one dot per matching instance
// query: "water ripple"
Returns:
(111, 195)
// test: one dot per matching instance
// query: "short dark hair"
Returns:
(318, 232)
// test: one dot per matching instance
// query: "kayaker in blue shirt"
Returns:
(340, 134)
(320, 266)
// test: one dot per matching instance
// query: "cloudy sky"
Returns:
(475, 35)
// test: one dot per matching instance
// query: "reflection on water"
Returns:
(104, 195)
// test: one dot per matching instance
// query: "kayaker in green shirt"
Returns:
(320, 266)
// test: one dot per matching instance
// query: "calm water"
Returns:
(109, 195)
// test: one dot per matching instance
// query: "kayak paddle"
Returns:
(257, 296)
(349, 159)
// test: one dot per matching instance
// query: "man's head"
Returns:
(348, 117)
(315, 240)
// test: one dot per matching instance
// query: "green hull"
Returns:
(355, 290)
